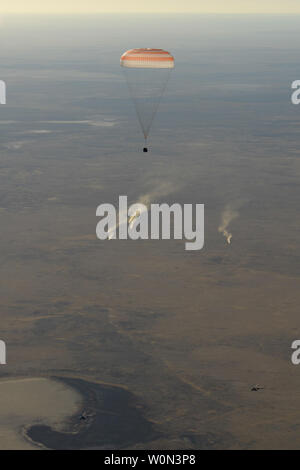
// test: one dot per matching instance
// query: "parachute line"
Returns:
(146, 87)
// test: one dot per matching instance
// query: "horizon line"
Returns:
(23, 13)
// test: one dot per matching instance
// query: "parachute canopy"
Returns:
(147, 72)
(147, 58)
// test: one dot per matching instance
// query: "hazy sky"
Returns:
(201, 6)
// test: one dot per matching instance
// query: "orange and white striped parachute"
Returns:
(147, 72)
(147, 58)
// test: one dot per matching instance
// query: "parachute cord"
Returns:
(131, 87)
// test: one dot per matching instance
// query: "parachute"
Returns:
(147, 73)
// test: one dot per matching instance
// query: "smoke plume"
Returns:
(228, 215)
(161, 190)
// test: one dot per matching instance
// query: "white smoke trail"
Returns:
(112, 231)
(161, 190)
(228, 215)
(132, 219)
